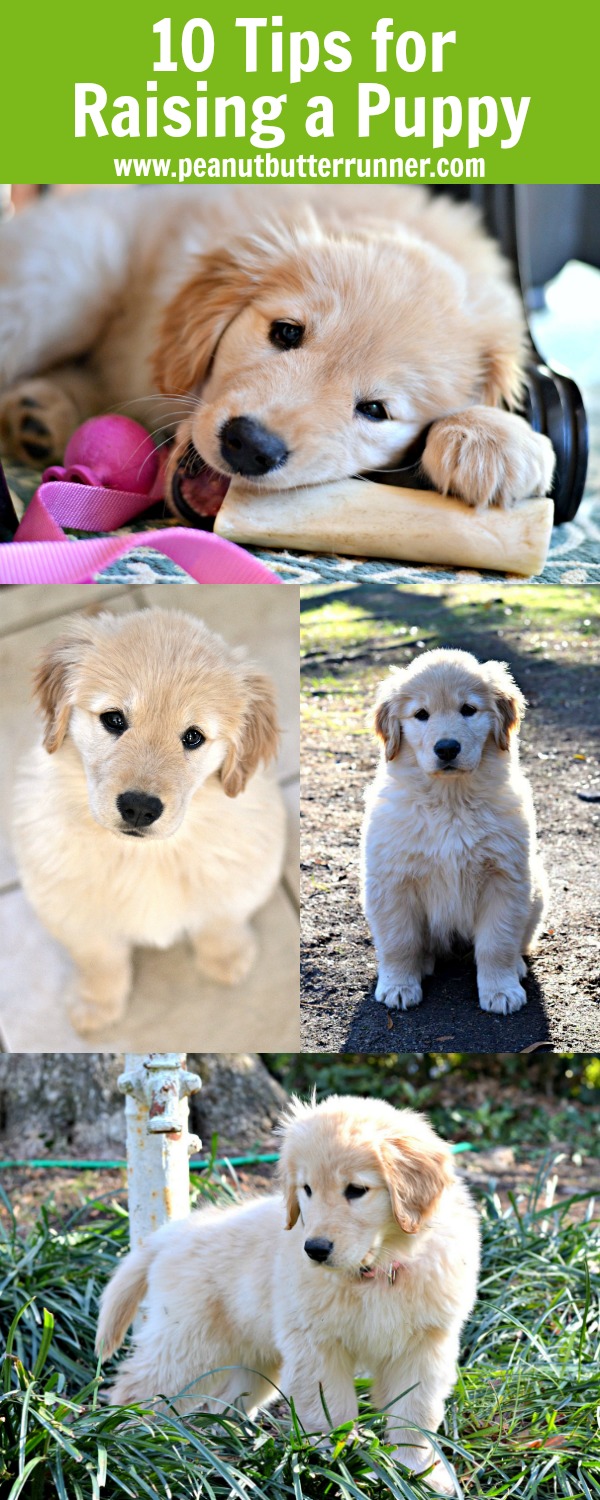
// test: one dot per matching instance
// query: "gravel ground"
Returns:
(550, 639)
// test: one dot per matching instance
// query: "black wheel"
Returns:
(554, 405)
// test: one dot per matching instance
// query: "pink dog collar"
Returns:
(380, 1273)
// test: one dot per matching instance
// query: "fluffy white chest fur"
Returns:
(223, 861)
(443, 839)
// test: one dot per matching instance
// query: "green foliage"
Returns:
(500, 1099)
(522, 1421)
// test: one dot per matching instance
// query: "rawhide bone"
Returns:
(359, 518)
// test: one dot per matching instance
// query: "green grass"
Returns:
(342, 620)
(523, 1420)
(353, 635)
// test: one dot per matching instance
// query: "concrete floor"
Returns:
(171, 1008)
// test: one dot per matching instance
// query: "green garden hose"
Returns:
(195, 1165)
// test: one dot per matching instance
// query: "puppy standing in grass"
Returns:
(377, 1274)
(144, 817)
(449, 839)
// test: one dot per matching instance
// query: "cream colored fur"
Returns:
(213, 857)
(451, 853)
(172, 291)
(230, 1288)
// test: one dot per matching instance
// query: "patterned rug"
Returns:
(574, 555)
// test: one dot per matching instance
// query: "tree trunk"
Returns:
(69, 1104)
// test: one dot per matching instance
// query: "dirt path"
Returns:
(552, 645)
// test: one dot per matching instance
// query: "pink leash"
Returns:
(33, 556)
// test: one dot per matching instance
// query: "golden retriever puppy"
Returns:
(449, 840)
(144, 817)
(296, 336)
(377, 1273)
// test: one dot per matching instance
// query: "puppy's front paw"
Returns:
(488, 457)
(226, 955)
(89, 1019)
(440, 1481)
(397, 991)
(437, 1479)
(36, 422)
(502, 995)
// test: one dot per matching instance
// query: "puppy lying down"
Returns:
(287, 336)
(449, 838)
(376, 1274)
(144, 817)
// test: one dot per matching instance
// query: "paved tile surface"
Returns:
(171, 1007)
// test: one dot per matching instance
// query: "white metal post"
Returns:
(158, 1143)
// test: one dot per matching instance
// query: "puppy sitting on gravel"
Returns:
(449, 840)
(144, 817)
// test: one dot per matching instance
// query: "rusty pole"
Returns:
(158, 1144)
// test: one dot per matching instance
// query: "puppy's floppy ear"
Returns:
(386, 721)
(292, 1207)
(196, 318)
(416, 1172)
(286, 1166)
(53, 683)
(508, 703)
(257, 736)
(223, 284)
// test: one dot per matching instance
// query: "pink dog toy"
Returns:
(112, 472)
(111, 453)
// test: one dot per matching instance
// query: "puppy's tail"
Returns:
(120, 1300)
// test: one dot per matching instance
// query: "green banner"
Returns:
(325, 92)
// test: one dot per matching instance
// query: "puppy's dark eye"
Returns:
(286, 335)
(422, 715)
(193, 738)
(468, 710)
(308, 1190)
(114, 721)
(374, 411)
(352, 1191)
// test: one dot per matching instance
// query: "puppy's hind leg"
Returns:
(38, 416)
(63, 264)
(538, 908)
(103, 985)
(225, 952)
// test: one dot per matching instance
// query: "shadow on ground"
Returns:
(450, 1018)
(559, 751)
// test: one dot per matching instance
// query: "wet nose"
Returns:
(447, 750)
(249, 448)
(139, 810)
(318, 1249)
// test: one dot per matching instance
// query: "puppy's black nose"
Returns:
(318, 1249)
(447, 750)
(249, 448)
(139, 810)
